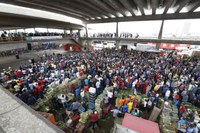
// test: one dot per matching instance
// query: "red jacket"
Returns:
(38, 88)
(94, 117)
(122, 84)
(182, 109)
(138, 84)
(42, 82)
(86, 88)
(81, 73)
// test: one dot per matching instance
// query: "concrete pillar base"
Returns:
(117, 45)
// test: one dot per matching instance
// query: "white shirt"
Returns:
(24, 71)
(82, 94)
(114, 85)
(30, 70)
(52, 75)
(82, 67)
(145, 104)
(134, 83)
(35, 83)
(167, 94)
(66, 80)
(110, 94)
(97, 84)
(57, 82)
(16, 87)
(62, 97)
(78, 74)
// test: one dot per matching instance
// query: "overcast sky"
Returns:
(179, 27)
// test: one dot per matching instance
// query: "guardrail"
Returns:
(6, 39)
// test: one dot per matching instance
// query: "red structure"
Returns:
(75, 47)
(171, 46)
(139, 124)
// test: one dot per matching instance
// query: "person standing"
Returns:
(124, 108)
(95, 119)
(130, 106)
(167, 94)
(115, 112)
(62, 97)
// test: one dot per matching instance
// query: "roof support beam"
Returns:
(115, 6)
(149, 4)
(93, 7)
(139, 40)
(104, 6)
(180, 5)
(68, 4)
(191, 15)
(154, 5)
(193, 6)
(140, 4)
(60, 5)
(168, 5)
(127, 5)
(36, 22)
(40, 6)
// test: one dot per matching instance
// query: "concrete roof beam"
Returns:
(40, 6)
(94, 7)
(168, 4)
(180, 5)
(127, 5)
(104, 6)
(193, 6)
(154, 5)
(191, 15)
(78, 7)
(115, 6)
(140, 4)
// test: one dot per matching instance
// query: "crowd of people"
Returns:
(168, 77)
(26, 34)
(34, 47)
(113, 35)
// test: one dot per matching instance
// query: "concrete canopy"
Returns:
(100, 11)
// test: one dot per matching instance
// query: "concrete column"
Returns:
(117, 30)
(65, 34)
(47, 30)
(71, 32)
(34, 30)
(160, 34)
(117, 44)
(79, 33)
(86, 30)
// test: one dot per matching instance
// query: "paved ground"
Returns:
(11, 61)
(17, 117)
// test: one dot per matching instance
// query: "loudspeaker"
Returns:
(29, 46)
(31, 61)
(17, 56)
(124, 47)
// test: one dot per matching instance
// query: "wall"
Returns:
(4, 46)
